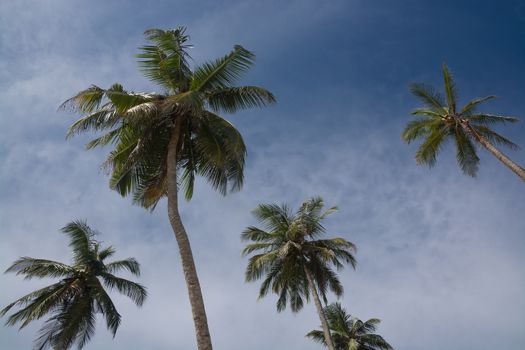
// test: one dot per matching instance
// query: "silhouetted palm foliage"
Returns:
(441, 119)
(350, 333)
(291, 258)
(73, 302)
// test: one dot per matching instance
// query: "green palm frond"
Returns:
(223, 72)
(429, 97)
(134, 291)
(419, 128)
(106, 253)
(494, 137)
(165, 62)
(40, 268)
(471, 106)
(466, 155)
(81, 241)
(234, 99)
(429, 149)
(129, 264)
(450, 88)
(487, 119)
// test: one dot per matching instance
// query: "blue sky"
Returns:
(440, 256)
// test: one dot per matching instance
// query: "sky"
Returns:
(440, 255)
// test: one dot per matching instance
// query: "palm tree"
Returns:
(350, 333)
(163, 140)
(74, 301)
(441, 119)
(294, 263)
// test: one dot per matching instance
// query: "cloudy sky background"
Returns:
(441, 256)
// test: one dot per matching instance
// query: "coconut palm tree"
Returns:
(350, 333)
(292, 260)
(163, 140)
(441, 119)
(73, 302)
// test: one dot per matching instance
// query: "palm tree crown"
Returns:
(289, 248)
(141, 125)
(74, 301)
(350, 333)
(442, 119)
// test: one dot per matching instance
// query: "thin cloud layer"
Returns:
(440, 256)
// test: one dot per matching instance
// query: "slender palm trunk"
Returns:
(322, 316)
(188, 265)
(497, 153)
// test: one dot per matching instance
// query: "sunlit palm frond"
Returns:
(223, 72)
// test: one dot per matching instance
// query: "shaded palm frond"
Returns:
(40, 268)
(466, 154)
(234, 99)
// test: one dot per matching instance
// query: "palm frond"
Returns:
(470, 107)
(134, 291)
(428, 96)
(165, 62)
(486, 119)
(129, 264)
(223, 72)
(466, 155)
(450, 89)
(40, 268)
(234, 99)
(416, 129)
(494, 137)
(82, 239)
(428, 150)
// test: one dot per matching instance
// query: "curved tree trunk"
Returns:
(498, 154)
(322, 316)
(188, 265)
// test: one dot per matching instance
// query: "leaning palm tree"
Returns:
(73, 302)
(163, 140)
(293, 261)
(442, 119)
(350, 333)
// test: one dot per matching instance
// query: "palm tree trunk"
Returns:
(188, 265)
(322, 316)
(497, 153)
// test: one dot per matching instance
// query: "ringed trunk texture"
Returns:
(322, 316)
(188, 265)
(498, 154)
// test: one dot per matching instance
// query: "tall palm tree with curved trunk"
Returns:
(441, 119)
(74, 301)
(292, 260)
(350, 333)
(163, 140)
